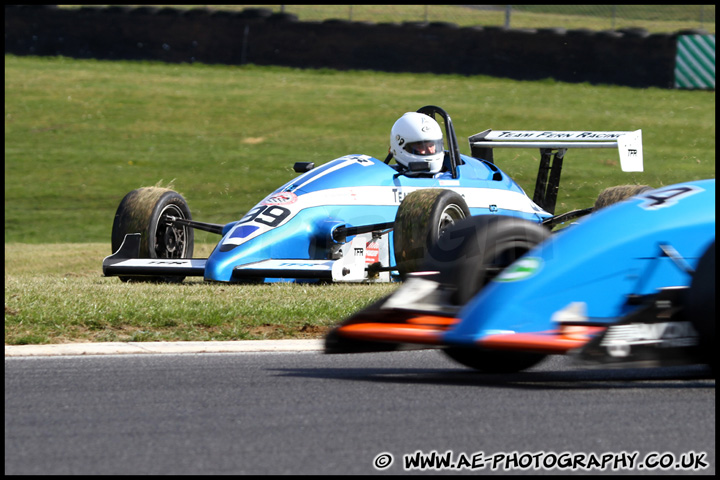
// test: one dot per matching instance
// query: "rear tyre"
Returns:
(422, 217)
(469, 255)
(143, 211)
(617, 194)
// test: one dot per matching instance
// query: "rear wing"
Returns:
(629, 145)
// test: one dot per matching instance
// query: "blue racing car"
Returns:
(631, 284)
(357, 218)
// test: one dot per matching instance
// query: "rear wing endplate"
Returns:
(553, 145)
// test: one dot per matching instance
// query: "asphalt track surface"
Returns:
(292, 410)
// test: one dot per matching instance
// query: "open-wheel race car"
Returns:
(355, 218)
(633, 284)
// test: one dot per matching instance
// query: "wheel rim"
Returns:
(170, 241)
(448, 217)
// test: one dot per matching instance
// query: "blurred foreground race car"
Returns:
(632, 284)
(355, 218)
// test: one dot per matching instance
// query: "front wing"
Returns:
(418, 315)
(653, 335)
(396, 329)
(126, 262)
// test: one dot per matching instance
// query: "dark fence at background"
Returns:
(632, 57)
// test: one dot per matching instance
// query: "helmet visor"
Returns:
(424, 147)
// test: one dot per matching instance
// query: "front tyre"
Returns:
(472, 252)
(468, 256)
(493, 361)
(421, 218)
(147, 211)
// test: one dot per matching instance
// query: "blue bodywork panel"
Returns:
(592, 268)
(296, 221)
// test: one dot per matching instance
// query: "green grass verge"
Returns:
(70, 301)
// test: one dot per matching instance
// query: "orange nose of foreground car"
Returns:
(426, 330)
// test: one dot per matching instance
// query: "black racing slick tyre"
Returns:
(469, 255)
(473, 251)
(145, 211)
(422, 217)
(700, 306)
(617, 194)
(493, 361)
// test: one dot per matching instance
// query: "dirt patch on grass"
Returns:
(306, 331)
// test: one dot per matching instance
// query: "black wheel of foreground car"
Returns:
(470, 254)
(617, 194)
(144, 211)
(493, 361)
(422, 217)
(473, 251)
(700, 306)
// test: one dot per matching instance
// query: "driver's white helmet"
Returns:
(417, 137)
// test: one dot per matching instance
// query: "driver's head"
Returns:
(417, 137)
